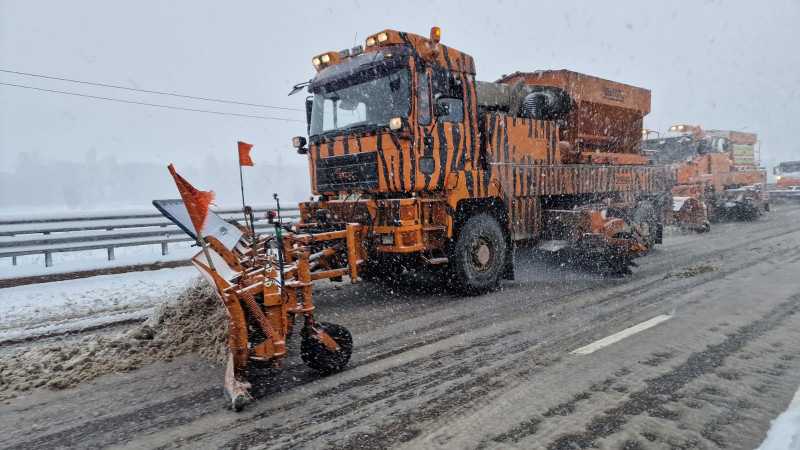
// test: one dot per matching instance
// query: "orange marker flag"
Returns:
(244, 154)
(196, 201)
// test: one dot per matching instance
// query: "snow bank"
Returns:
(194, 322)
(784, 434)
(58, 301)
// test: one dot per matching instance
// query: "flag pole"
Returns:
(205, 250)
(244, 206)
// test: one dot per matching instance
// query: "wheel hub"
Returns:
(481, 254)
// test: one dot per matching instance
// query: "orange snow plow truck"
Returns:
(443, 170)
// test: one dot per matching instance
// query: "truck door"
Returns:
(440, 116)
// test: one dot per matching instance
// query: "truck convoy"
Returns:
(717, 168)
(417, 165)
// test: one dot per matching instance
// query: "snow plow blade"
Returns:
(264, 283)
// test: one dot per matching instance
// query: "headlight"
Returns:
(326, 58)
(316, 62)
(370, 41)
(395, 123)
(383, 37)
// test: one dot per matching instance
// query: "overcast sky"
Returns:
(728, 65)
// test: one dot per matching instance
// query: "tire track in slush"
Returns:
(659, 391)
(398, 430)
(456, 396)
(456, 393)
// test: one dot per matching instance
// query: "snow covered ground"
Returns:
(74, 304)
(784, 434)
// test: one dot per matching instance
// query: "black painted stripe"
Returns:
(400, 161)
(471, 121)
(458, 156)
(389, 181)
(442, 154)
(346, 145)
(547, 133)
(446, 54)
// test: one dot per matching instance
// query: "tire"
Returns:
(319, 358)
(616, 264)
(645, 214)
(478, 257)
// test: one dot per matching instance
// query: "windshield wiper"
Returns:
(358, 126)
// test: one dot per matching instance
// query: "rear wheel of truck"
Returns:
(319, 358)
(479, 256)
(645, 214)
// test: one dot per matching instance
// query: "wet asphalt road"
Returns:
(434, 370)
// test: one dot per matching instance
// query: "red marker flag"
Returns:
(244, 154)
(196, 201)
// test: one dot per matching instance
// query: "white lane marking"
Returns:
(606, 341)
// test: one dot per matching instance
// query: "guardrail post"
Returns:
(110, 253)
(48, 259)
(164, 248)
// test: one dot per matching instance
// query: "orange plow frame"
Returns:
(263, 299)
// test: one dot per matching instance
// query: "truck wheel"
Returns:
(645, 214)
(479, 255)
(319, 358)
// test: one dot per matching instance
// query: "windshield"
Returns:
(789, 167)
(365, 104)
(675, 148)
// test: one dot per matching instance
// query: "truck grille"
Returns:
(358, 171)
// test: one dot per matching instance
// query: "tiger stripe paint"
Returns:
(515, 160)
(524, 153)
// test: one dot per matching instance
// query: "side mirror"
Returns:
(299, 143)
(441, 108)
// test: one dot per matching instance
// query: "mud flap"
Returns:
(508, 271)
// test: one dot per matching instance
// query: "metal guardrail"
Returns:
(50, 234)
(783, 197)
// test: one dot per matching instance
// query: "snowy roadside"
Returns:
(784, 434)
(55, 307)
(116, 322)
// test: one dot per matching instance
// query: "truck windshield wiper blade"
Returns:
(359, 125)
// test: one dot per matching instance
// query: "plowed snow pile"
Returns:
(195, 322)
